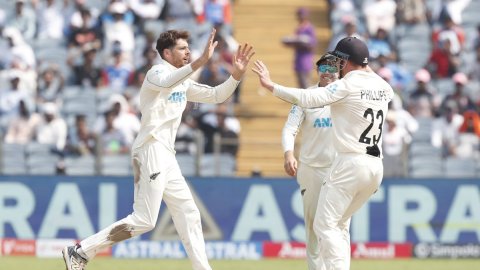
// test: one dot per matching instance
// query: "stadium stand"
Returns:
(87, 91)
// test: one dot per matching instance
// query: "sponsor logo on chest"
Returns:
(177, 97)
(323, 122)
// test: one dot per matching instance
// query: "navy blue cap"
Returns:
(352, 49)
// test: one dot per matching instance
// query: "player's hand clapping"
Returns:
(241, 60)
(263, 74)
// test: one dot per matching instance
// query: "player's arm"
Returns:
(289, 132)
(311, 99)
(162, 78)
(301, 97)
(207, 94)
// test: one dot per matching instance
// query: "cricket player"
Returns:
(316, 153)
(163, 97)
(359, 105)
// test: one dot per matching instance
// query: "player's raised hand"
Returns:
(210, 46)
(263, 74)
(241, 60)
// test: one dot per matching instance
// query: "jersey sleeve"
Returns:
(198, 92)
(290, 129)
(163, 79)
(332, 93)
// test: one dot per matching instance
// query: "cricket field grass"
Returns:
(30, 263)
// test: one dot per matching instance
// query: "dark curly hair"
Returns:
(168, 39)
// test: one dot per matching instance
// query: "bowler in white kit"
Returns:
(359, 105)
(163, 97)
(316, 153)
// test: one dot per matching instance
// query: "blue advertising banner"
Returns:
(427, 211)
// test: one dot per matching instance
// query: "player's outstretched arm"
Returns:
(263, 75)
(241, 60)
(207, 52)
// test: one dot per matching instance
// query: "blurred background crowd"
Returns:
(429, 51)
(70, 73)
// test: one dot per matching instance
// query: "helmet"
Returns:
(352, 49)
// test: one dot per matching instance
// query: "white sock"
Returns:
(80, 252)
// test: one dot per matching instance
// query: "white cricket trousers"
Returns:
(353, 178)
(310, 180)
(157, 176)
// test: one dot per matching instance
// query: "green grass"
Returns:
(21, 263)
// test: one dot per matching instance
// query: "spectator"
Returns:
(412, 11)
(226, 126)
(81, 16)
(117, 75)
(215, 72)
(453, 33)
(112, 139)
(445, 131)
(400, 76)
(185, 141)
(462, 101)
(469, 136)
(50, 85)
(87, 73)
(379, 13)
(474, 68)
(81, 141)
(303, 42)
(182, 11)
(443, 63)
(422, 102)
(349, 30)
(18, 50)
(145, 10)
(114, 8)
(85, 32)
(452, 9)
(11, 98)
(124, 120)
(21, 128)
(218, 12)
(52, 129)
(395, 140)
(403, 119)
(379, 44)
(118, 30)
(50, 20)
(24, 20)
(150, 57)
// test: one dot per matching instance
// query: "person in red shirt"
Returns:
(443, 63)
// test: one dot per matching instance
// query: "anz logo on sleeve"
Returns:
(177, 97)
(324, 122)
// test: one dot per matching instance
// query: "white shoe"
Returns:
(73, 260)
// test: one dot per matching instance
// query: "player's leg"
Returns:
(150, 170)
(310, 181)
(351, 182)
(186, 217)
(345, 228)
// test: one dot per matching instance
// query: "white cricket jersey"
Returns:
(358, 103)
(316, 148)
(163, 97)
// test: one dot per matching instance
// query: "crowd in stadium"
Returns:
(72, 69)
(429, 51)
(70, 73)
